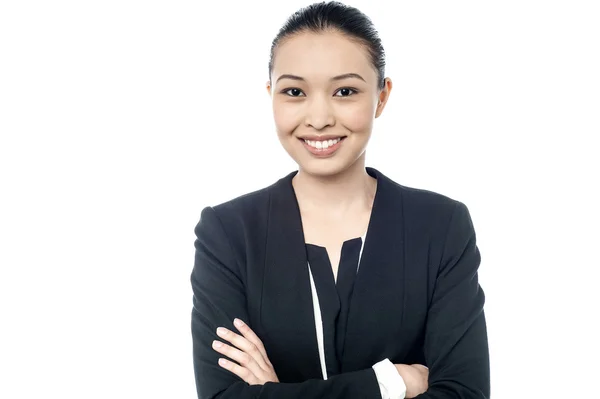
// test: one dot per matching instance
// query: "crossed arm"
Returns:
(251, 363)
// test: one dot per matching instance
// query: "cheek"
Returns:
(357, 117)
(286, 118)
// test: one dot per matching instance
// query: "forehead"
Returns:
(315, 55)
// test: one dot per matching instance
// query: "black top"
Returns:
(334, 296)
(415, 298)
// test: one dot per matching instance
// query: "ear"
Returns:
(383, 96)
(269, 87)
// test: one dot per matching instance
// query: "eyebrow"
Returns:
(339, 77)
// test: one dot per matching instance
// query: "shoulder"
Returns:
(424, 207)
(416, 197)
(427, 199)
(248, 211)
(247, 203)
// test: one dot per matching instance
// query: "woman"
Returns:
(335, 281)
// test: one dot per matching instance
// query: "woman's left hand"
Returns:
(254, 366)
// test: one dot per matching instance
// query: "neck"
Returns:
(353, 189)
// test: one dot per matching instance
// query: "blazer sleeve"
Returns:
(218, 297)
(456, 344)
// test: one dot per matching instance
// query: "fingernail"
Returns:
(221, 331)
(217, 344)
(223, 362)
(238, 323)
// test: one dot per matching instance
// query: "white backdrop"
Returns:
(120, 120)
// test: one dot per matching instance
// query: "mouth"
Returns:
(323, 148)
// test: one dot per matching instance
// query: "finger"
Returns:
(244, 345)
(242, 358)
(238, 370)
(251, 336)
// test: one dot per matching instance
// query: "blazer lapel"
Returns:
(375, 314)
(287, 309)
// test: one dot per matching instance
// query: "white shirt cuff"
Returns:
(391, 383)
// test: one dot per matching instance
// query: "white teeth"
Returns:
(322, 144)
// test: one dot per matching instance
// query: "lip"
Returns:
(323, 153)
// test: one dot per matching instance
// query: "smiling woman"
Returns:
(335, 281)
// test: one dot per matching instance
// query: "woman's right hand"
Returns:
(415, 376)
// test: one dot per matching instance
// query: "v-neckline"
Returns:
(346, 242)
(374, 207)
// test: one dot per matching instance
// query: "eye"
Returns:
(293, 92)
(345, 92)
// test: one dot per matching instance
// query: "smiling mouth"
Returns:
(323, 148)
(323, 144)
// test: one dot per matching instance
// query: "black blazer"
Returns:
(416, 297)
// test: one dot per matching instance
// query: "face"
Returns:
(325, 99)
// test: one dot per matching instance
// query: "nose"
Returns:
(319, 113)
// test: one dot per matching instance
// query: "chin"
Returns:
(324, 167)
(321, 170)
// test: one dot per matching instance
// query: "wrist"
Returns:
(416, 378)
(390, 381)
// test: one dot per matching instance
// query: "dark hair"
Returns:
(333, 15)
